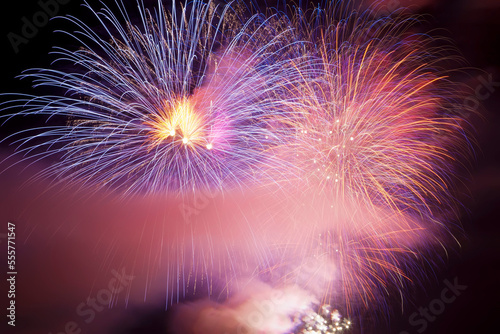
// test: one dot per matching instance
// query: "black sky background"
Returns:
(475, 28)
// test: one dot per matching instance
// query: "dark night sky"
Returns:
(474, 25)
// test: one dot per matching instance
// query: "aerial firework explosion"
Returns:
(185, 101)
(335, 134)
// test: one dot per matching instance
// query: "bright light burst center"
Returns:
(179, 122)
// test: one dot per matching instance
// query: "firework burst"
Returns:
(376, 123)
(184, 101)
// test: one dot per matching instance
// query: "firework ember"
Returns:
(293, 159)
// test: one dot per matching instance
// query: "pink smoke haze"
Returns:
(180, 247)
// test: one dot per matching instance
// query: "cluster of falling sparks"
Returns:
(324, 321)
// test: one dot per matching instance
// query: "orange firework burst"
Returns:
(376, 124)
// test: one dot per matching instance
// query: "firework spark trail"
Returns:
(347, 117)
